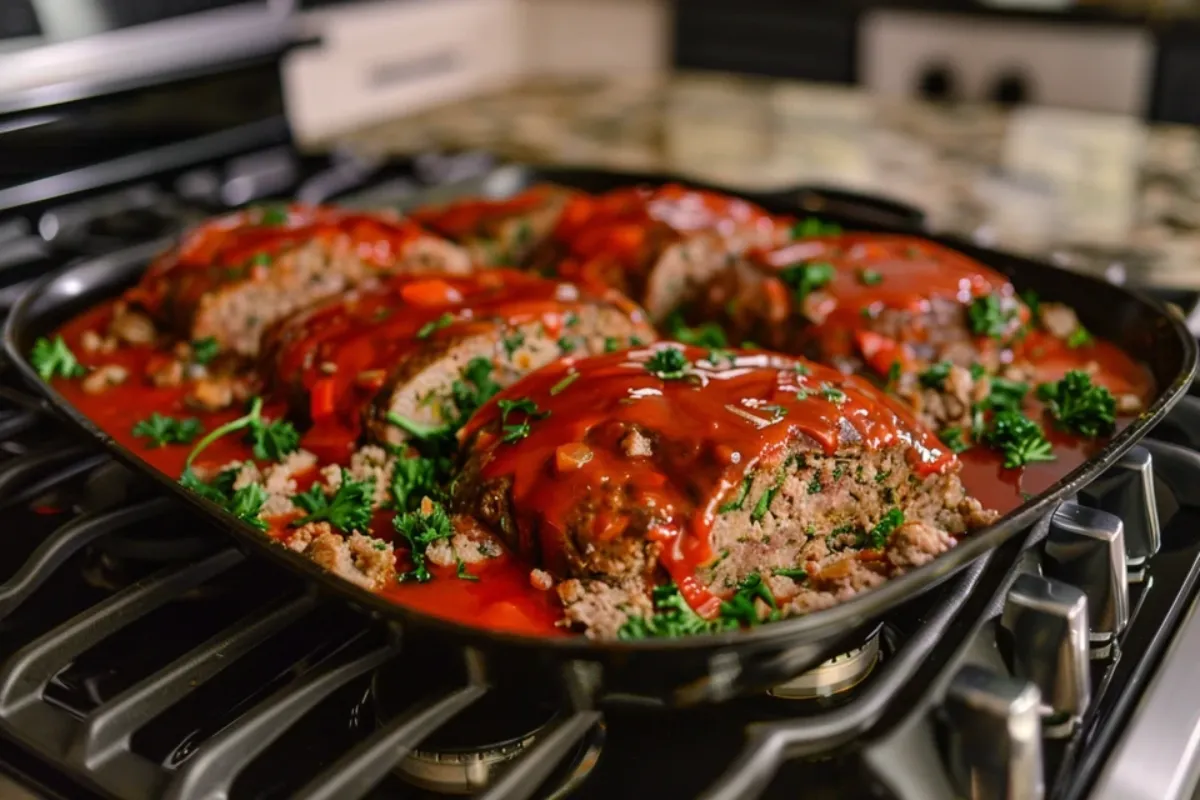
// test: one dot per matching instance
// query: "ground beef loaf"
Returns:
(230, 278)
(500, 233)
(661, 464)
(331, 359)
(656, 245)
(888, 306)
(437, 384)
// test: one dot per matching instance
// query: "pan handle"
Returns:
(852, 207)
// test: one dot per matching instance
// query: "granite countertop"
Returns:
(1100, 193)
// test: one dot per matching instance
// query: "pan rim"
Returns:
(838, 619)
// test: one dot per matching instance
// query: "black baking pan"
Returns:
(699, 668)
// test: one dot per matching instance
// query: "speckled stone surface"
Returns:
(1105, 194)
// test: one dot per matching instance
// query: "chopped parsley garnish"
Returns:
(205, 350)
(564, 383)
(987, 317)
(811, 226)
(710, 334)
(1079, 338)
(795, 573)
(1005, 395)
(429, 328)
(718, 356)
(611, 344)
(161, 430)
(513, 342)
(1018, 438)
(736, 503)
(515, 432)
(474, 387)
(348, 509)
(672, 618)
(421, 528)
(935, 376)
(1079, 405)
(977, 371)
(877, 537)
(833, 394)
(245, 503)
(669, 363)
(869, 277)
(416, 478)
(52, 357)
(565, 344)
(805, 278)
(953, 438)
(801, 369)
(269, 439)
(274, 215)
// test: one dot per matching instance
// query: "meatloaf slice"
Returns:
(488, 341)
(231, 277)
(676, 469)
(656, 245)
(892, 307)
(499, 232)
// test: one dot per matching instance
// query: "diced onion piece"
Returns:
(570, 457)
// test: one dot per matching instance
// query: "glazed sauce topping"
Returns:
(241, 246)
(472, 217)
(709, 426)
(340, 352)
(622, 230)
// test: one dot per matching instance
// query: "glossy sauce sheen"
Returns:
(466, 218)
(711, 428)
(340, 351)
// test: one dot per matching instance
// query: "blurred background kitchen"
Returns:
(1056, 128)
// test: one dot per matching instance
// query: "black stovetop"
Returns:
(141, 656)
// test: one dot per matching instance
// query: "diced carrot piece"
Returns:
(321, 399)
(571, 456)
(432, 292)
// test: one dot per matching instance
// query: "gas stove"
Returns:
(141, 655)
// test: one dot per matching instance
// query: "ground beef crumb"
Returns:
(373, 462)
(917, 543)
(302, 537)
(541, 580)
(362, 560)
(211, 394)
(601, 608)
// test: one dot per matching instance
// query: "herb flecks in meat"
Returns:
(877, 537)
(205, 350)
(1078, 405)
(52, 358)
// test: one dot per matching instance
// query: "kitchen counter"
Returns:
(1100, 193)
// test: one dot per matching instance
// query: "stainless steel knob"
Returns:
(1044, 633)
(1085, 547)
(995, 736)
(1126, 489)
